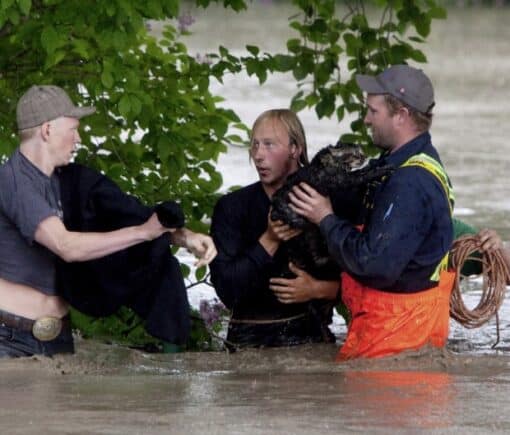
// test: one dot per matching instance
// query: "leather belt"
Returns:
(44, 328)
(267, 321)
(16, 322)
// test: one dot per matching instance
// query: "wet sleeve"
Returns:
(237, 272)
(472, 266)
(461, 228)
(400, 221)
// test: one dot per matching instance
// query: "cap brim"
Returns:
(369, 84)
(80, 112)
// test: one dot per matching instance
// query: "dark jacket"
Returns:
(407, 227)
(145, 277)
(241, 272)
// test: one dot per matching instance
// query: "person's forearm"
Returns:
(77, 246)
(88, 246)
(179, 237)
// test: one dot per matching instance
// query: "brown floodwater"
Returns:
(108, 389)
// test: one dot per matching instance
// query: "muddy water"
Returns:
(463, 389)
(109, 390)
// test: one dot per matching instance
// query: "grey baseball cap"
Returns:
(43, 103)
(408, 84)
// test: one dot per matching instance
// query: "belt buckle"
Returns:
(47, 328)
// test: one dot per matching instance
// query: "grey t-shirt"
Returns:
(27, 197)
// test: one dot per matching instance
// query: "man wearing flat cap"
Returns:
(395, 280)
(33, 315)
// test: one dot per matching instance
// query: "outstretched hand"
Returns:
(200, 245)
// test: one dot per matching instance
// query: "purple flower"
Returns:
(211, 312)
(205, 59)
(185, 20)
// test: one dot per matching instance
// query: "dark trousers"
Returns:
(288, 333)
(15, 343)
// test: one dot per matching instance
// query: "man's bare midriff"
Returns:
(28, 302)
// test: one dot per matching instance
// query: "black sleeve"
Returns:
(240, 268)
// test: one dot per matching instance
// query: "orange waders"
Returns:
(386, 323)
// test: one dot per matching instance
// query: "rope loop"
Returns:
(494, 278)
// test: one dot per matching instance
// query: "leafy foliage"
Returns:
(157, 127)
(125, 327)
(335, 41)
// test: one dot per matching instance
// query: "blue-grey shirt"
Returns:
(407, 227)
(27, 197)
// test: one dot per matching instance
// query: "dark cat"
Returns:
(335, 171)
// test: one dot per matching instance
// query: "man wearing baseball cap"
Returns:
(33, 316)
(395, 280)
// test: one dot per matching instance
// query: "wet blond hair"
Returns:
(293, 126)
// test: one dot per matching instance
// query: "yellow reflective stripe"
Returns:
(442, 266)
(434, 167)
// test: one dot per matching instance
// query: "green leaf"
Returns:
(200, 273)
(50, 39)
(110, 9)
(107, 79)
(299, 72)
(125, 106)
(185, 269)
(135, 105)
(340, 113)
(326, 105)
(81, 48)
(399, 54)
(24, 6)
(54, 58)
(352, 44)
(323, 72)
(349, 138)
(14, 16)
(297, 104)
(418, 56)
(252, 49)
(423, 25)
(437, 12)
(294, 45)
(284, 63)
(223, 51)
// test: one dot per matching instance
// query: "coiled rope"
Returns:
(494, 278)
